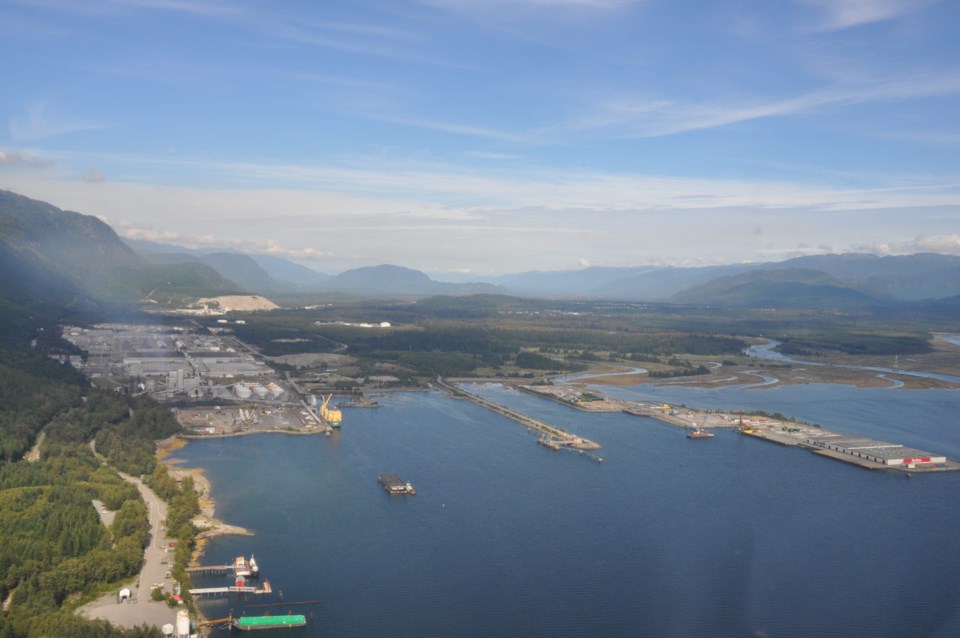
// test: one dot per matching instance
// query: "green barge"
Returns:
(252, 623)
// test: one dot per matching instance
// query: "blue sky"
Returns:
(492, 136)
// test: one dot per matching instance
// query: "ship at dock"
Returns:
(332, 416)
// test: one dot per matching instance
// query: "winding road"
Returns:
(156, 562)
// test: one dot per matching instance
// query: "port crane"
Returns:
(332, 416)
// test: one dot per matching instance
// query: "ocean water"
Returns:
(729, 536)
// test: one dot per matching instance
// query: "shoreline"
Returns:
(206, 521)
(226, 435)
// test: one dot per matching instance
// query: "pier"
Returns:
(240, 566)
(861, 451)
(556, 436)
(265, 588)
(210, 569)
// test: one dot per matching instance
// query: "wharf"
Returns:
(210, 569)
(860, 451)
(240, 566)
(265, 588)
(556, 435)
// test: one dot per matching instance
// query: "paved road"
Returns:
(156, 562)
(155, 554)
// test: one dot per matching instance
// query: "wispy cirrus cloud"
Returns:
(214, 242)
(44, 122)
(836, 15)
(441, 190)
(451, 127)
(209, 8)
(644, 117)
(548, 4)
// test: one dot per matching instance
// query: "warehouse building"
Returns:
(876, 451)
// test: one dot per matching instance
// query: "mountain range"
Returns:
(50, 254)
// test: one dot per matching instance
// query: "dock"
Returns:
(265, 588)
(556, 436)
(240, 566)
(856, 450)
(210, 569)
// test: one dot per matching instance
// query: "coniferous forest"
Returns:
(55, 553)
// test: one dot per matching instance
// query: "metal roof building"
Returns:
(876, 451)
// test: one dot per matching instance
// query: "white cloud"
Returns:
(644, 117)
(12, 157)
(949, 244)
(843, 14)
(217, 243)
(446, 191)
(16, 158)
(446, 217)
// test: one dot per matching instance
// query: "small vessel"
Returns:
(393, 485)
(700, 434)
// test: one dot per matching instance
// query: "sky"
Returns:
(486, 137)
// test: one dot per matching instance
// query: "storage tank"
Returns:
(183, 624)
(242, 391)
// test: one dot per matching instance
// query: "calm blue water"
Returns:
(668, 537)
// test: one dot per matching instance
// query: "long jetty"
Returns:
(556, 436)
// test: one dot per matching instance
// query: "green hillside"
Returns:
(51, 255)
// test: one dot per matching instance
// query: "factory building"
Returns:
(876, 451)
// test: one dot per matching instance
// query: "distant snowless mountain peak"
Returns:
(850, 279)
(53, 250)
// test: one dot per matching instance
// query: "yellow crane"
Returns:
(332, 416)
